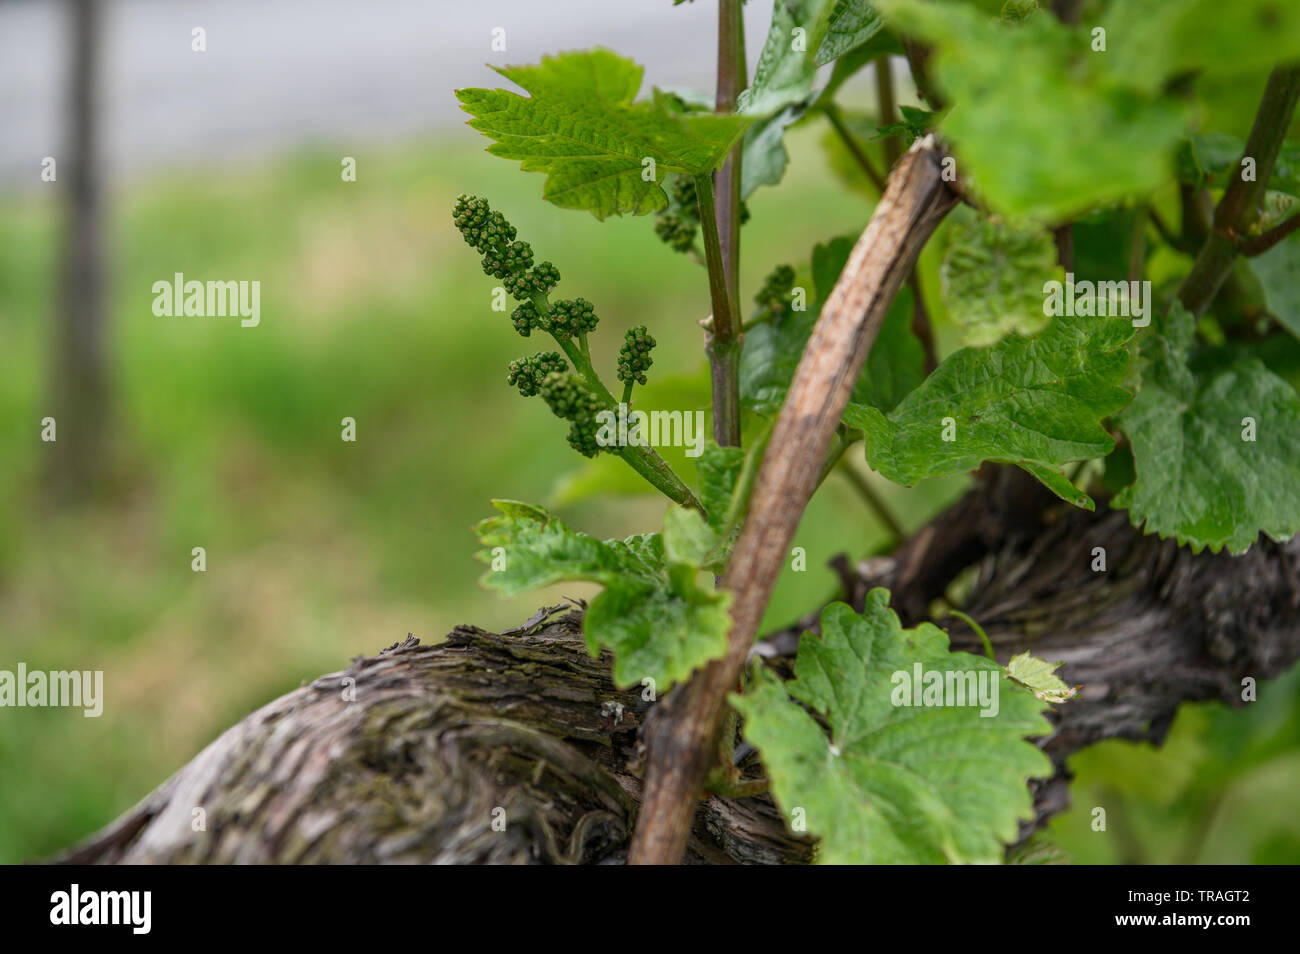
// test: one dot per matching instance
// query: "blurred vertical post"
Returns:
(79, 372)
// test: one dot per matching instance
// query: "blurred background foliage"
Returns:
(319, 550)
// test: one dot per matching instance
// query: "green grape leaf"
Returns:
(1040, 678)
(653, 614)
(765, 155)
(916, 123)
(768, 358)
(581, 127)
(1042, 126)
(1199, 479)
(878, 44)
(1036, 402)
(1213, 160)
(1148, 43)
(895, 364)
(852, 24)
(688, 539)
(1278, 271)
(540, 550)
(718, 468)
(993, 276)
(911, 773)
(1038, 850)
(1102, 241)
(828, 261)
(784, 76)
(659, 632)
(804, 34)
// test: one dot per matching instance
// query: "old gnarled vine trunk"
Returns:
(517, 748)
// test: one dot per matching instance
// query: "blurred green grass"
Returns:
(229, 438)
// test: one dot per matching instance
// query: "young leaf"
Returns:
(1040, 678)
(654, 616)
(993, 276)
(804, 35)
(1043, 126)
(916, 123)
(582, 128)
(660, 631)
(718, 467)
(852, 24)
(787, 62)
(688, 539)
(896, 363)
(1036, 402)
(784, 76)
(765, 156)
(880, 43)
(1215, 452)
(540, 550)
(896, 782)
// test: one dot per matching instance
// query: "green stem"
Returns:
(745, 482)
(724, 780)
(844, 439)
(1259, 244)
(1239, 208)
(731, 79)
(859, 156)
(644, 460)
(627, 392)
(724, 343)
(743, 788)
(872, 500)
(979, 631)
(885, 100)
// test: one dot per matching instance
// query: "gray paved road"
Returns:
(277, 72)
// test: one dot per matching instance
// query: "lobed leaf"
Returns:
(1199, 479)
(894, 783)
(993, 275)
(1043, 126)
(1035, 402)
(653, 614)
(581, 127)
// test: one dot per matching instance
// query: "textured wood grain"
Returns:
(439, 736)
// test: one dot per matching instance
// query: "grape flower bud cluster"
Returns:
(575, 396)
